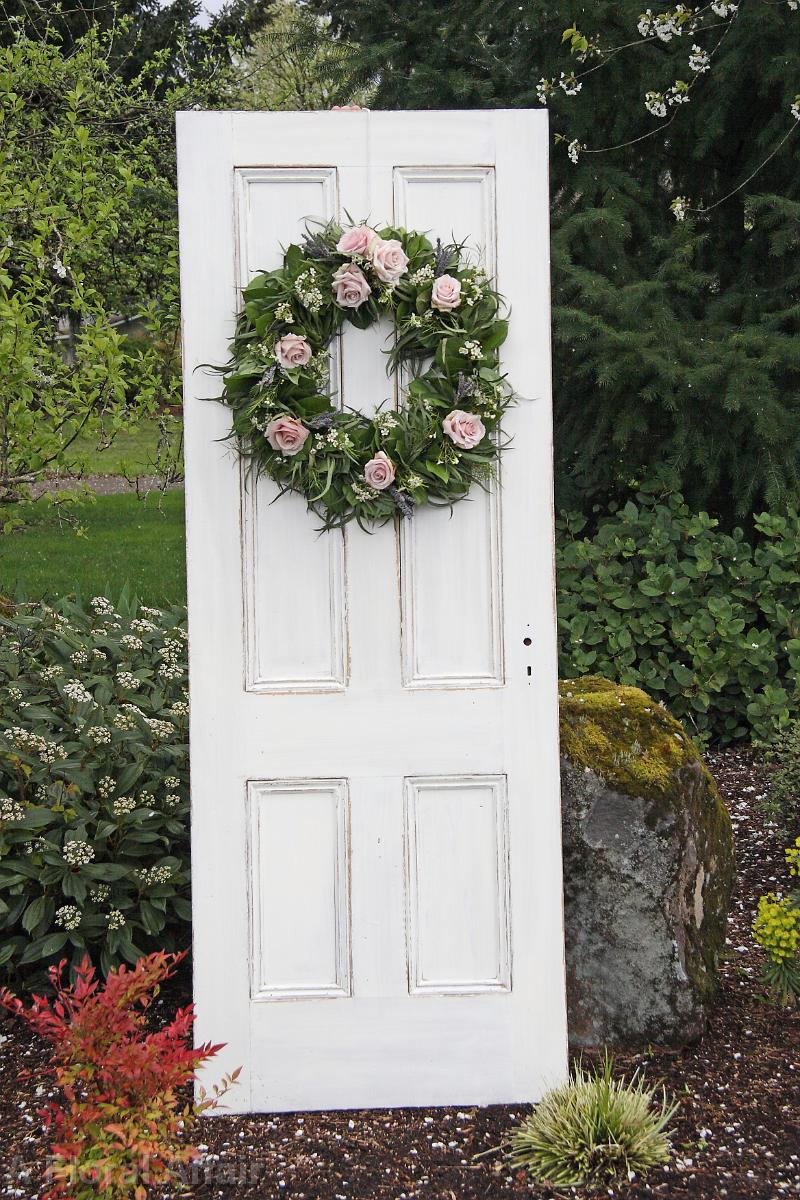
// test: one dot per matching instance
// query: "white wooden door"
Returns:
(375, 798)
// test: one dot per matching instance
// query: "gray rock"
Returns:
(648, 869)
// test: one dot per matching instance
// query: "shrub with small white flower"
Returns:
(93, 788)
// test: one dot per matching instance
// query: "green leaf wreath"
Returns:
(447, 330)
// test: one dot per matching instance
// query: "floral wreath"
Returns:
(349, 466)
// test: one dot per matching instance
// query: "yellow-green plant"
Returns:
(776, 928)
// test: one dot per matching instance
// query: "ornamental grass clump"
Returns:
(120, 1124)
(594, 1130)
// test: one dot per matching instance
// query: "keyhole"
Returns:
(526, 641)
(529, 672)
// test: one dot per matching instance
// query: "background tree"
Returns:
(87, 234)
(674, 343)
(295, 62)
(141, 31)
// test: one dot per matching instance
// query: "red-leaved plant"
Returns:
(122, 1125)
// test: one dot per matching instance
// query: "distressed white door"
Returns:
(375, 799)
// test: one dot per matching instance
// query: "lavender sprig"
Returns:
(441, 258)
(318, 247)
(322, 423)
(465, 387)
(403, 503)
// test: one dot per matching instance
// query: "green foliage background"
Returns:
(673, 343)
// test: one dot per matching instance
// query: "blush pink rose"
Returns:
(465, 429)
(356, 240)
(350, 286)
(446, 293)
(286, 434)
(379, 472)
(292, 351)
(389, 259)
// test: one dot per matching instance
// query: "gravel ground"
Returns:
(737, 1132)
(102, 485)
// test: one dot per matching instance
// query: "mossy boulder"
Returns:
(648, 869)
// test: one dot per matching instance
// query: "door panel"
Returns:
(375, 796)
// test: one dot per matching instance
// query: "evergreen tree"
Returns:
(674, 343)
(294, 63)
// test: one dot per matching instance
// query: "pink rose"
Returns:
(463, 428)
(379, 472)
(356, 240)
(446, 293)
(350, 286)
(286, 434)
(389, 259)
(292, 351)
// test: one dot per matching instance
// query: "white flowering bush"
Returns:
(93, 783)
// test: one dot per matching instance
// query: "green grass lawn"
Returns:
(138, 543)
(131, 453)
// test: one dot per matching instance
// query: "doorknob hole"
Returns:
(526, 641)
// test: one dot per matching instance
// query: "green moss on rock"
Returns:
(624, 736)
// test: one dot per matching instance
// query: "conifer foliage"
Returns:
(674, 342)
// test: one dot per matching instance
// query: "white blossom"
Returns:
(75, 690)
(655, 104)
(795, 109)
(700, 60)
(128, 681)
(723, 10)
(10, 810)
(106, 786)
(573, 150)
(131, 642)
(68, 916)
(679, 207)
(140, 626)
(150, 876)
(99, 893)
(472, 349)
(115, 919)
(103, 606)
(543, 89)
(678, 93)
(77, 854)
(123, 805)
(569, 84)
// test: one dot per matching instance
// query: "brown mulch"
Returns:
(737, 1129)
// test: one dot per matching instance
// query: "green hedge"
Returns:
(708, 622)
(94, 810)
(94, 852)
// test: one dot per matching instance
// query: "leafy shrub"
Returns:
(776, 928)
(593, 1130)
(121, 1124)
(93, 782)
(660, 599)
(781, 753)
